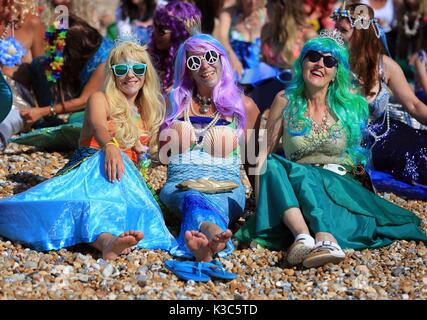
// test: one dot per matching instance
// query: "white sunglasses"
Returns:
(195, 62)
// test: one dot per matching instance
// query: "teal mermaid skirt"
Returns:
(80, 204)
(330, 202)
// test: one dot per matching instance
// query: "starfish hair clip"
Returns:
(333, 34)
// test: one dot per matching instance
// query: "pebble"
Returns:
(398, 271)
(108, 270)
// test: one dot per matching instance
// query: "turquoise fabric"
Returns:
(79, 205)
(6, 98)
(100, 56)
(60, 138)
(356, 217)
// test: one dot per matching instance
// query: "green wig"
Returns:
(350, 108)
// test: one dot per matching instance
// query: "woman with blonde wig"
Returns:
(100, 197)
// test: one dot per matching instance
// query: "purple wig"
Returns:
(183, 19)
(228, 98)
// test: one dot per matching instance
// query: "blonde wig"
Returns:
(286, 22)
(149, 99)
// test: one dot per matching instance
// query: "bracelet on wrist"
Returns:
(113, 142)
(52, 111)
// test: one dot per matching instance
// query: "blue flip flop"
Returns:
(215, 269)
(187, 270)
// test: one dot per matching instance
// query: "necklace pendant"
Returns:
(204, 108)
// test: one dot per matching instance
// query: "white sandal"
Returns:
(301, 247)
(324, 252)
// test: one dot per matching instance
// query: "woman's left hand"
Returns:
(32, 115)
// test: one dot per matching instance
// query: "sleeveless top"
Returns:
(322, 144)
(378, 106)
(100, 56)
(386, 14)
(91, 142)
(249, 53)
(381, 103)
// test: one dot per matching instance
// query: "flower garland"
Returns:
(54, 54)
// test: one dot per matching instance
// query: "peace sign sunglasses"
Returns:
(195, 62)
(120, 70)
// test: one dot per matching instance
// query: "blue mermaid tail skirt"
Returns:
(78, 206)
(196, 207)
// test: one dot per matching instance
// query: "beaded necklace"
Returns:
(204, 103)
(408, 31)
(385, 119)
(4, 34)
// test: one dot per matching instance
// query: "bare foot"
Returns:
(121, 244)
(217, 237)
(219, 241)
(198, 244)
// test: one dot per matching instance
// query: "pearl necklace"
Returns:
(386, 118)
(201, 132)
(204, 103)
(3, 36)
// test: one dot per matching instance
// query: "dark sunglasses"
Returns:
(120, 70)
(195, 62)
(314, 56)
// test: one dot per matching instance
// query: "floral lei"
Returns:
(54, 53)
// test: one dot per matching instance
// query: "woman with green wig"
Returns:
(317, 190)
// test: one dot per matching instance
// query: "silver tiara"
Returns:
(127, 37)
(333, 34)
(360, 20)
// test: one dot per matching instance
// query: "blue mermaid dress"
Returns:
(79, 204)
(196, 207)
(63, 136)
(398, 145)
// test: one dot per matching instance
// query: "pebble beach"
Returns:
(396, 272)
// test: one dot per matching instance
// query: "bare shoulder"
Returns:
(249, 102)
(98, 99)
(310, 33)
(390, 65)
(392, 68)
(33, 22)
(281, 98)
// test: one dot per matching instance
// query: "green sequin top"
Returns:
(322, 144)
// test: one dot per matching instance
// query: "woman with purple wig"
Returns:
(206, 117)
(173, 23)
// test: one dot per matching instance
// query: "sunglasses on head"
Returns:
(314, 56)
(120, 70)
(195, 62)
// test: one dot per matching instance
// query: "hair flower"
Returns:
(11, 52)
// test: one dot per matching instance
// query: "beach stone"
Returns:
(108, 270)
(263, 274)
(141, 280)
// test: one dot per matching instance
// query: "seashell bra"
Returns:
(215, 136)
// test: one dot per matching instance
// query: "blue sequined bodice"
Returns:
(100, 56)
